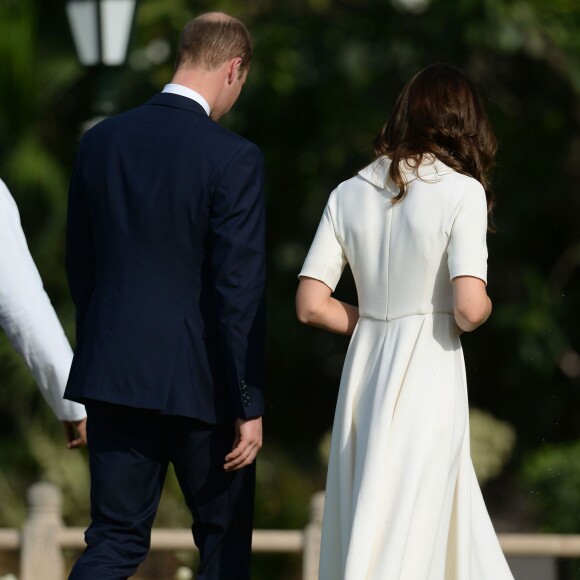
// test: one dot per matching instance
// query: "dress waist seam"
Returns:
(390, 318)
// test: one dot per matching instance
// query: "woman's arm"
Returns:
(316, 307)
(472, 304)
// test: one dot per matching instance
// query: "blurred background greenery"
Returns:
(324, 78)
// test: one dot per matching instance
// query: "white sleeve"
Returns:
(467, 251)
(326, 259)
(27, 316)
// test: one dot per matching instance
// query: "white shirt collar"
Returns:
(176, 89)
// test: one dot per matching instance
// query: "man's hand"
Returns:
(246, 445)
(76, 433)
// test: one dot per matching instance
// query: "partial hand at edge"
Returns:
(246, 445)
(76, 433)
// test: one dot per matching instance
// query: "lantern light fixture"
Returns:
(101, 30)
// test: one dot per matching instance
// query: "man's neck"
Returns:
(204, 83)
(184, 91)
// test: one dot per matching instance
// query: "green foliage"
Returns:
(283, 485)
(551, 476)
(492, 442)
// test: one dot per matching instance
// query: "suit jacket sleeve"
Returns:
(80, 255)
(27, 316)
(237, 247)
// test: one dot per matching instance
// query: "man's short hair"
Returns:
(212, 39)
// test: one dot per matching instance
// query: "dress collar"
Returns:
(429, 170)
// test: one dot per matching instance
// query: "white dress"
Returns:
(402, 499)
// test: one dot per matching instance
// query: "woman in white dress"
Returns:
(402, 499)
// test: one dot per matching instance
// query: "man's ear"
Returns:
(234, 68)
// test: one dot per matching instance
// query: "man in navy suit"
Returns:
(165, 259)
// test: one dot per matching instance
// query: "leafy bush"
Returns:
(492, 442)
(551, 475)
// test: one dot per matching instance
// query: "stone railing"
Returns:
(43, 538)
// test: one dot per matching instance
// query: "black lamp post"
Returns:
(101, 30)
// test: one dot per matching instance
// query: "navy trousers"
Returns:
(129, 452)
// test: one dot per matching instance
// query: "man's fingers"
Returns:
(242, 459)
(234, 466)
(235, 447)
(247, 443)
(237, 451)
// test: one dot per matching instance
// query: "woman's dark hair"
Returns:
(439, 113)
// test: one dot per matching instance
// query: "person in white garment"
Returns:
(402, 499)
(30, 322)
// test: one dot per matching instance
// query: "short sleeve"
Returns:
(326, 259)
(467, 252)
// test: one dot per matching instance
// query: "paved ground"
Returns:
(533, 568)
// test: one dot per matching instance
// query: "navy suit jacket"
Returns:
(166, 267)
